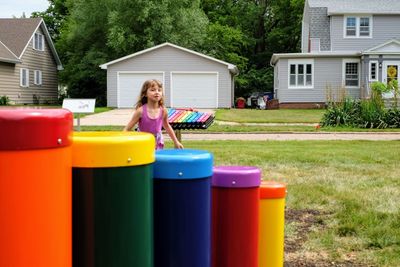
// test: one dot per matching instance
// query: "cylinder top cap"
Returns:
(236, 176)
(29, 128)
(112, 149)
(183, 164)
(272, 189)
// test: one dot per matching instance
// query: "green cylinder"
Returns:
(112, 199)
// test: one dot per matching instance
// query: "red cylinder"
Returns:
(35, 188)
(235, 215)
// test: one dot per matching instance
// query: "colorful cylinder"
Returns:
(35, 187)
(112, 199)
(272, 220)
(182, 209)
(235, 212)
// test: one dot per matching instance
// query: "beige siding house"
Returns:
(28, 62)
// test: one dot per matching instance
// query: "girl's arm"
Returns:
(169, 130)
(135, 118)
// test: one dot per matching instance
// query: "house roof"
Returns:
(6, 55)
(232, 68)
(15, 35)
(276, 57)
(390, 47)
(339, 7)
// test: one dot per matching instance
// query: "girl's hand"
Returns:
(178, 145)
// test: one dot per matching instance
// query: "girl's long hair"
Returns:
(143, 98)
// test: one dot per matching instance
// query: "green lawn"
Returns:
(270, 116)
(353, 186)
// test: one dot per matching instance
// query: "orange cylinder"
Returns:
(35, 188)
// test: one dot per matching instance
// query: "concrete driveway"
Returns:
(115, 117)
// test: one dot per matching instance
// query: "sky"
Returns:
(8, 8)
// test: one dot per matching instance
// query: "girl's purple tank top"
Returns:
(153, 126)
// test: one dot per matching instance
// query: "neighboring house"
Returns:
(28, 62)
(190, 79)
(346, 45)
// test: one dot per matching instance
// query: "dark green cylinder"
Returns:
(112, 213)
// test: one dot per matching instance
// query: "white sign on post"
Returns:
(79, 106)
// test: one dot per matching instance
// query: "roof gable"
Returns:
(6, 55)
(231, 67)
(15, 35)
(392, 47)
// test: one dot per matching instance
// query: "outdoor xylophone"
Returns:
(183, 119)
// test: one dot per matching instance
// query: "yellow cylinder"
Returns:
(271, 224)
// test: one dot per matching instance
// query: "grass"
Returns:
(310, 116)
(270, 116)
(355, 185)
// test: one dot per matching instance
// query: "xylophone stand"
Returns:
(178, 134)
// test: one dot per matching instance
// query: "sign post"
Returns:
(79, 106)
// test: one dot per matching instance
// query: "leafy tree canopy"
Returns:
(246, 33)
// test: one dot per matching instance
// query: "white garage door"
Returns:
(130, 84)
(194, 90)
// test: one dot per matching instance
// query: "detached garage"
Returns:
(191, 79)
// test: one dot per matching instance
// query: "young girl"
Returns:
(151, 114)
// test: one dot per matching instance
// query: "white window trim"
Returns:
(27, 77)
(35, 75)
(376, 70)
(350, 60)
(41, 36)
(357, 26)
(304, 62)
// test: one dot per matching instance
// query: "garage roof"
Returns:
(232, 68)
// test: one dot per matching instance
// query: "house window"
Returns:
(364, 27)
(351, 27)
(358, 27)
(24, 78)
(38, 77)
(373, 71)
(301, 73)
(351, 73)
(38, 42)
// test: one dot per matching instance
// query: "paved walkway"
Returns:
(292, 136)
(120, 117)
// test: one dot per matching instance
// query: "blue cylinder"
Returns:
(182, 208)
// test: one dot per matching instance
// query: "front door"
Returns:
(390, 72)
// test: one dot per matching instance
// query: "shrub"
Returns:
(4, 100)
(372, 115)
(367, 113)
(392, 118)
(341, 113)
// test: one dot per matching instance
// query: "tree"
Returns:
(118, 28)
(54, 17)
(266, 27)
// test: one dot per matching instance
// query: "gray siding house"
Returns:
(28, 61)
(190, 79)
(346, 45)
